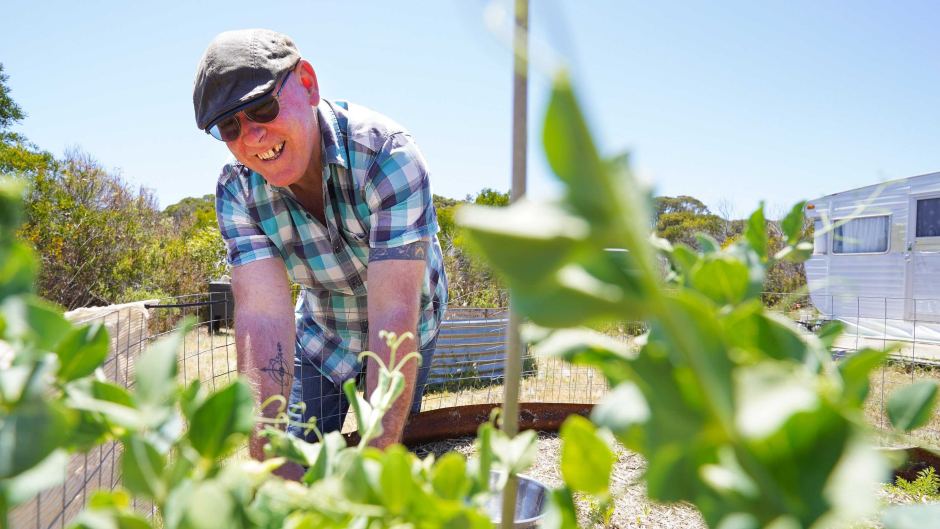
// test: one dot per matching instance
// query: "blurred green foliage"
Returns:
(735, 409)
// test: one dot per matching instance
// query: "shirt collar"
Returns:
(332, 136)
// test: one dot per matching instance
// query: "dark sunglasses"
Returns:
(262, 110)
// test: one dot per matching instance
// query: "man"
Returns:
(336, 197)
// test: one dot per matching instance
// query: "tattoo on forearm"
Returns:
(416, 251)
(277, 369)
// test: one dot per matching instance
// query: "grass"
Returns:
(890, 378)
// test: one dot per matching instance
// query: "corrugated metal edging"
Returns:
(469, 348)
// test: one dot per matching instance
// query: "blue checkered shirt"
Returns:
(376, 195)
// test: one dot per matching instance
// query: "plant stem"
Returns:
(513, 369)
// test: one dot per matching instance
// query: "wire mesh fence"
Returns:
(467, 368)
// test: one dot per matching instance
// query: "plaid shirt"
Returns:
(376, 195)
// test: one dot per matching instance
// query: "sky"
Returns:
(731, 102)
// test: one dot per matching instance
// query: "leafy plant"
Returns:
(926, 486)
(176, 440)
(735, 409)
(344, 486)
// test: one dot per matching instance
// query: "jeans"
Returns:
(325, 400)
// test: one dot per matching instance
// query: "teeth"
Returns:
(273, 153)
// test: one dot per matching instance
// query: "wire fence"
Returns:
(467, 368)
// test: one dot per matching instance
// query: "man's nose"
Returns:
(253, 133)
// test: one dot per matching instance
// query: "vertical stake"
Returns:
(513, 368)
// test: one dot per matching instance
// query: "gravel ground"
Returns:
(632, 509)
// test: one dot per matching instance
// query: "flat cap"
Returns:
(238, 67)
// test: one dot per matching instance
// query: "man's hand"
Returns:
(264, 335)
(396, 276)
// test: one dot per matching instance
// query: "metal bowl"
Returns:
(531, 499)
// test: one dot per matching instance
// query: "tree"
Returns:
(471, 282)
(198, 212)
(186, 250)
(17, 155)
(680, 219)
(491, 197)
(88, 226)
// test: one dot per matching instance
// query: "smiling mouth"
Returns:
(272, 154)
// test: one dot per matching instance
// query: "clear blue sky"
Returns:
(736, 101)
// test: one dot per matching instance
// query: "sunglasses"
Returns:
(262, 110)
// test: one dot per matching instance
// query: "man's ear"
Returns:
(308, 79)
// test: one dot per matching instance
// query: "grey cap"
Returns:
(238, 67)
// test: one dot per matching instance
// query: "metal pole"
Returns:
(513, 368)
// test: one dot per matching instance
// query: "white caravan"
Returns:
(876, 261)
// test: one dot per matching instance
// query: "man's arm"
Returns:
(396, 276)
(264, 333)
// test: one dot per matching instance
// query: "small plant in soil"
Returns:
(925, 487)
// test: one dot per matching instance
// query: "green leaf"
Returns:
(326, 458)
(112, 402)
(797, 253)
(359, 405)
(34, 321)
(398, 486)
(515, 454)
(756, 232)
(12, 382)
(723, 279)
(18, 268)
(587, 347)
(764, 335)
(855, 370)
(11, 205)
(707, 243)
(683, 259)
(82, 351)
(46, 474)
(156, 370)
(526, 241)
(142, 467)
(830, 332)
(209, 506)
(586, 459)
(572, 297)
(223, 420)
(485, 457)
(111, 392)
(449, 476)
(192, 398)
(911, 407)
(30, 433)
(768, 395)
(792, 224)
(561, 512)
(573, 156)
(623, 411)
(918, 516)
(283, 444)
(109, 499)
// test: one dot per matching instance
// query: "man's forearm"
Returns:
(395, 281)
(265, 357)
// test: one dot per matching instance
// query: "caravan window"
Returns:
(861, 235)
(820, 238)
(928, 217)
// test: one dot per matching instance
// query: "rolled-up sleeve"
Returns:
(398, 193)
(244, 240)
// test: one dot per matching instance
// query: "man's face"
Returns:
(281, 150)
